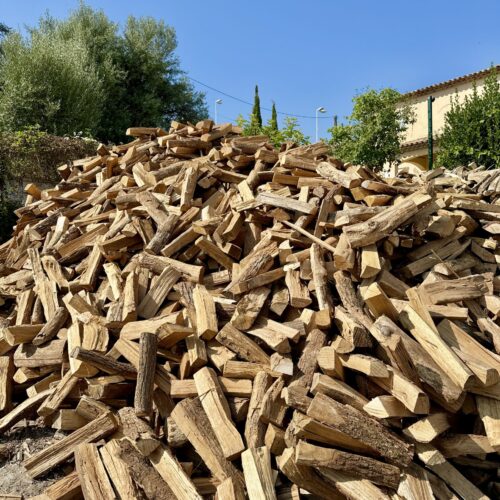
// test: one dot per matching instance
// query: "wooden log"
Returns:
(437, 349)
(173, 474)
(193, 422)
(118, 471)
(206, 317)
(6, 372)
(104, 363)
(46, 459)
(359, 426)
(52, 327)
(143, 400)
(66, 488)
(218, 413)
(356, 465)
(376, 228)
(94, 481)
(256, 464)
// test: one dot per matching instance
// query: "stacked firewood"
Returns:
(204, 315)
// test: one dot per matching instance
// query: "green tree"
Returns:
(48, 81)
(375, 130)
(290, 132)
(140, 80)
(274, 118)
(256, 115)
(472, 128)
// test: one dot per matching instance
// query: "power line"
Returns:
(251, 104)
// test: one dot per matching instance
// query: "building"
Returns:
(414, 147)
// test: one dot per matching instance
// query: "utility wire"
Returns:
(251, 104)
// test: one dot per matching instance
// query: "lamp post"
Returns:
(218, 101)
(318, 110)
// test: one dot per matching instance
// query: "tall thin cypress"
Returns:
(274, 118)
(256, 115)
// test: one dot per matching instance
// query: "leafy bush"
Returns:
(34, 155)
(472, 128)
(375, 130)
(31, 155)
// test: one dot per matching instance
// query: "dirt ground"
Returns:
(22, 441)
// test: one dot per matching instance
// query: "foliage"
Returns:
(133, 76)
(274, 119)
(48, 81)
(256, 117)
(33, 155)
(290, 132)
(375, 130)
(472, 128)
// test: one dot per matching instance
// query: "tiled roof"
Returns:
(415, 144)
(449, 83)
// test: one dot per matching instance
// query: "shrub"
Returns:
(472, 128)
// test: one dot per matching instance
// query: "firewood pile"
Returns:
(205, 315)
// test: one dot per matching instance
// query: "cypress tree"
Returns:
(274, 118)
(257, 117)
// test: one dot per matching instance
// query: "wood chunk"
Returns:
(437, 349)
(370, 261)
(249, 307)
(353, 487)
(173, 474)
(373, 230)
(6, 372)
(489, 412)
(428, 428)
(309, 358)
(386, 407)
(256, 464)
(243, 346)
(137, 431)
(323, 293)
(52, 327)
(143, 400)
(65, 488)
(45, 460)
(94, 481)
(118, 472)
(158, 292)
(217, 410)
(193, 422)
(206, 317)
(254, 427)
(356, 465)
(463, 444)
(306, 477)
(443, 292)
(143, 474)
(355, 424)
(55, 399)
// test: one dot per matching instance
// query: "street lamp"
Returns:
(321, 109)
(218, 101)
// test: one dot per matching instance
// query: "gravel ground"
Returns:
(24, 440)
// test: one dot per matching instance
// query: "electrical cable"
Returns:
(251, 104)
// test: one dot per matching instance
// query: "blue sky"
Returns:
(308, 54)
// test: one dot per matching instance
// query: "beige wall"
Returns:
(439, 108)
